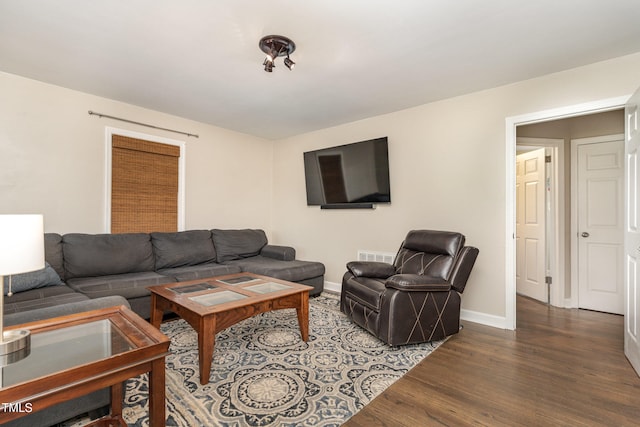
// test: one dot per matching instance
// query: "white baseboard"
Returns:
(484, 319)
(332, 286)
(471, 316)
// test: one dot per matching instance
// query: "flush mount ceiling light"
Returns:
(275, 46)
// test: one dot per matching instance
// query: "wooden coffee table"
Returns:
(213, 304)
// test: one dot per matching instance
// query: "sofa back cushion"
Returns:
(429, 253)
(90, 255)
(53, 252)
(182, 248)
(237, 244)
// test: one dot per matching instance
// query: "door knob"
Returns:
(585, 234)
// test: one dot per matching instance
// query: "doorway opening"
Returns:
(552, 208)
(517, 126)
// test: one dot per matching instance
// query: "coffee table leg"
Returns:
(156, 313)
(303, 316)
(206, 343)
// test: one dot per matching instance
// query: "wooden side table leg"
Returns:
(116, 399)
(303, 316)
(157, 393)
(206, 343)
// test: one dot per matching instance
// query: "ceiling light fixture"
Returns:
(289, 63)
(275, 46)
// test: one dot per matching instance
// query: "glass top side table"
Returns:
(73, 355)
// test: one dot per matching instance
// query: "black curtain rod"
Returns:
(100, 115)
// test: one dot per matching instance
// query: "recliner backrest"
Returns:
(429, 253)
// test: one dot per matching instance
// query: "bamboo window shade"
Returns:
(144, 186)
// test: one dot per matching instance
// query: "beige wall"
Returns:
(447, 162)
(448, 171)
(52, 161)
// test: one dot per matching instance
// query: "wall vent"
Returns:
(376, 256)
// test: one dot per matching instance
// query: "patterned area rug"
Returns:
(263, 374)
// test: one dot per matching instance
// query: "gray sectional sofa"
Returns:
(89, 271)
(92, 266)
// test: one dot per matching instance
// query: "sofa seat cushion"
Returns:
(364, 290)
(292, 271)
(194, 272)
(93, 255)
(182, 248)
(41, 298)
(130, 285)
(64, 309)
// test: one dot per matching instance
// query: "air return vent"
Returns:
(376, 256)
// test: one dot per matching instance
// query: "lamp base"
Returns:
(14, 341)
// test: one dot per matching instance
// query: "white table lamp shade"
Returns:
(21, 244)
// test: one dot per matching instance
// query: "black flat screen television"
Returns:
(349, 174)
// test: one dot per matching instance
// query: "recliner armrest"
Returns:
(373, 269)
(282, 253)
(416, 282)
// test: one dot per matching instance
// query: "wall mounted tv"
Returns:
(348, 176)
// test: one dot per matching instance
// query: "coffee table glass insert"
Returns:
(239, 280)
(216, 298)
(267, 287)
(196, 287)
(61, 349)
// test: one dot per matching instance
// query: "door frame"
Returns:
(511, 123)
(555, 241)
(574, 301)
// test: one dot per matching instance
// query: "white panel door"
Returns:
(632, 235)
(530, 225)
(600, 225)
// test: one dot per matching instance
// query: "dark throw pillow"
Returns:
(32, 280)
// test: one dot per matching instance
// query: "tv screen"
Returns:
(351, 173)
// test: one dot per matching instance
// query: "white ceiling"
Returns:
(200, 59)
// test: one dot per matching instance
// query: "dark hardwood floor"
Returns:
(561, 367)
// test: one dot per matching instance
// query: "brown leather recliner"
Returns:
(417, 299)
